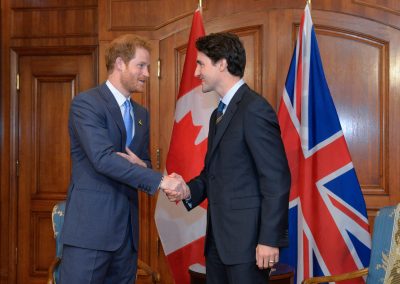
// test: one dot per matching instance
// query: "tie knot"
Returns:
(127, 105)
(221, 107)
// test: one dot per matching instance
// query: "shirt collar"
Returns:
(229, 95)
(119, 97)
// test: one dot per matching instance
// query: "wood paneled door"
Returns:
(47, 86)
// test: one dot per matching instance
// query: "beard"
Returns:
(132, 84)
(205, 88)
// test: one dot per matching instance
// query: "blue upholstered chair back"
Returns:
(384, 265)
(57, 217)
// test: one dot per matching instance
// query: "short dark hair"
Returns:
(224, 45)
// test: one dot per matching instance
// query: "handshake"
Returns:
(174, 187)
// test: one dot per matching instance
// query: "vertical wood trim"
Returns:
(13, 157)
(154, 109)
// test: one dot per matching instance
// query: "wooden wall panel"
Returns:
(357, 86)
(132, 15)
(51, 163)
(42, 249)
(52, 3)
(54, 22)
(391, 6)
(365, 99)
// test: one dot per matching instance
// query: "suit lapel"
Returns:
(114, 109)
(226, 119)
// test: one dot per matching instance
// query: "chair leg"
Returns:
(154, 275)
(52, 268)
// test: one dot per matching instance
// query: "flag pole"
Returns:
(200, 7)
(308, 3)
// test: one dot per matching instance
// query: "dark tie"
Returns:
(128, 121)
(220, 112)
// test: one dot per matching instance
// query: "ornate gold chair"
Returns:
(145, 273)
(384, 266)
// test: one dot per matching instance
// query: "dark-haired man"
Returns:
(246, 176)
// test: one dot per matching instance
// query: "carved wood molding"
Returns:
(50, 22)
(113, 15)
(373, 4)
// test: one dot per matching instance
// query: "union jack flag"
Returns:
(328, 224)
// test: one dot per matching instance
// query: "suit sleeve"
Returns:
(88, 122)
(198, 191)
(263, 138)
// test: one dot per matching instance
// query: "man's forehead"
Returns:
(141, 55)
(141, 51)
(201, 56)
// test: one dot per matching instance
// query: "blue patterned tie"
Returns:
(128, 121)
(220, 112)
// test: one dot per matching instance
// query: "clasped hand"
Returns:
(173, 185)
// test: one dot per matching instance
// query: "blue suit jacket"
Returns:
(103, 190)
(246, 179)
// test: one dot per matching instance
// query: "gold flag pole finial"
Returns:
(200, 4)
(307, 1)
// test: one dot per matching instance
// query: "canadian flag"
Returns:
(181, 232)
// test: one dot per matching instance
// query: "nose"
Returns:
(146, 71)
(197, 71)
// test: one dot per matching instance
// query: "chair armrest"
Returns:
(334, 278)
(54, 264)
(146, 268)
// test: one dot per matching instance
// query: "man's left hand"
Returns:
(131, 157)
(266, 256)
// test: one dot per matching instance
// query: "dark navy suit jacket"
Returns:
(103, 189)
(246, 179)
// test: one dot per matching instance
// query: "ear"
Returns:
(222, 64)
(120, 64)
